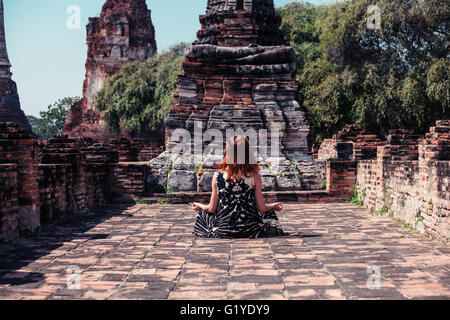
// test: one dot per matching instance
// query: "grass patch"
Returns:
(384, 210)
(142, 202)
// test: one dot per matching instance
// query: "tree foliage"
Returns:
(138, 98)
(395, 77)
(51, 122)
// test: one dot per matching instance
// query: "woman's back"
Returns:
(237, 215)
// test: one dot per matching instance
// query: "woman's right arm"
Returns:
(260, 202)
(212, 206)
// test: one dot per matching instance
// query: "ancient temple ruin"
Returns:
(123, 33)
(10, 110)
(240, 74)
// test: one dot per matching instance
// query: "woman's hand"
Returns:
(277, 206)
(196, 207)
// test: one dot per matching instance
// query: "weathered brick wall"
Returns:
(369, 178)
(98, 184)
(63, 150)
(327, 150)
(364, 145)
(341, 177)
(19, 147)
(9, 203)
(417, 192)
(42, 181)
(55, 191)
(129, 180)
(79, 179)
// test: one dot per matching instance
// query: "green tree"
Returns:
(51, 122)
(395, 77)
(139, 97)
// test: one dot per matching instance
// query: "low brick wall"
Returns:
(9, 203)
(327, 150)
(98, 184)
(341, 178)
(416, 192)
(129, 180)
(399, 189)
(55, 191)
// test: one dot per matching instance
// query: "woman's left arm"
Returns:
(212, 206)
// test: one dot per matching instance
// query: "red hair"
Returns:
(233, 163)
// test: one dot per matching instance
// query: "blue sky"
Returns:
(48, 58)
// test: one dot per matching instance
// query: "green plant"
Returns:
(51, 122)
(402, 203)
(138, 98)
(198, 168)
(383, 210)
(162, 189)
(356, 197)
(324, 184)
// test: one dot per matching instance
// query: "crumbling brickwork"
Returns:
(10, 110)
(123, 33)
(9, 202)
(42, 181)
(18, 147)
(351, 143)
(410, 180)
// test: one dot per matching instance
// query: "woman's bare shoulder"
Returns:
(256, 176)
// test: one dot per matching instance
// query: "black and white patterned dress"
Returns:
(237, 215)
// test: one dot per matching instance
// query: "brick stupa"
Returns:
(123, 33)
(240, 74)
(10, 110)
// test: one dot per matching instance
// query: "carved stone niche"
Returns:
(116, 52)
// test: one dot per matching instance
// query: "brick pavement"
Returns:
(148, 252)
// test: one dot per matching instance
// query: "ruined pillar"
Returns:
(10, 110)
(122, 34)
(18, 150)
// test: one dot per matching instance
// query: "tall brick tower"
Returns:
(123, 33)
(9, 98)
(240, 74)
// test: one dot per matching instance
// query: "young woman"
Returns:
(237, 208)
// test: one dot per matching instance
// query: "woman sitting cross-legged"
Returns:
(237, 208)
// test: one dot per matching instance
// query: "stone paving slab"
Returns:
(149, 252)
